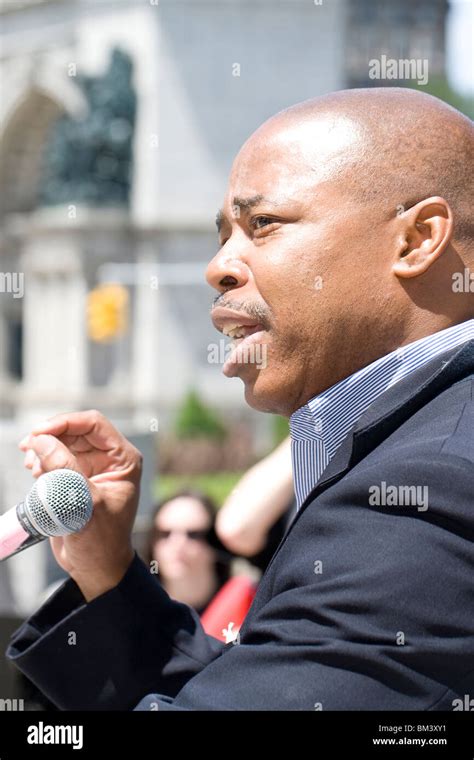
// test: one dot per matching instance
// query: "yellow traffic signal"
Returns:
(107, 312)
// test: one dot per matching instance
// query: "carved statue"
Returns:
(89, 161)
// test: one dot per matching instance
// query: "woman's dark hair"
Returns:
(223, 556)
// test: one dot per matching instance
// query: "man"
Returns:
(344, 233)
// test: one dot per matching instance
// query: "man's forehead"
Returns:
(281, 148)
(293, 154)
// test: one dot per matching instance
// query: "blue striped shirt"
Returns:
(319, 427)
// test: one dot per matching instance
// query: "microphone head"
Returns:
(59, 503)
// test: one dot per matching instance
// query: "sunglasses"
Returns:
(192, 535)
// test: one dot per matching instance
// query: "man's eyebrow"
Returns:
(247, 203)
(241, 203)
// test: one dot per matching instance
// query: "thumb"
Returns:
(49, 454)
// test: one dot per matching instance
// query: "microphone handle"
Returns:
(30, 541)
(16, 532)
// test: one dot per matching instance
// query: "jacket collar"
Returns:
(390, 411)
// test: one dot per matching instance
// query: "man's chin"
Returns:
(263, 392)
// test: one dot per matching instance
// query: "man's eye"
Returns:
(261, 221)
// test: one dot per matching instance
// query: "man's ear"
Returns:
(425, 232)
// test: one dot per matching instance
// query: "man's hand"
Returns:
(97, 557)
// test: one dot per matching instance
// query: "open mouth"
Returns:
(239, 332)
(248, 338)
(247, 347)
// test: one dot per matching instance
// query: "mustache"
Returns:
(255, 309)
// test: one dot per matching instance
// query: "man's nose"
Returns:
(225, 272)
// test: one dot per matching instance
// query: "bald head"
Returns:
(345, 220)
(390, 146)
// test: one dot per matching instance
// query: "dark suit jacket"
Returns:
(385, 621)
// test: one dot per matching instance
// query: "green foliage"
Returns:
(440, 88)
(280, 429)
(196, 420)
(216, 485)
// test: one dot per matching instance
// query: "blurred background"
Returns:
(119, 120)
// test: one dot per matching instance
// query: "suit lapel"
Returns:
(387, 413)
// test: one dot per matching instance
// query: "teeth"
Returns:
(234, 331)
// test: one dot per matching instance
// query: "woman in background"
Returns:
(194, 567)
(192, 564)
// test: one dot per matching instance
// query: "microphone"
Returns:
(59, 503)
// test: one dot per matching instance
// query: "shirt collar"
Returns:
(319, 427)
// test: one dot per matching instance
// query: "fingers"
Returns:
(30, 458)
(46, 453)
(91, 424)
(85, 441)
(32, 462)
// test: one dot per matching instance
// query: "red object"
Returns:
(229, 606)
